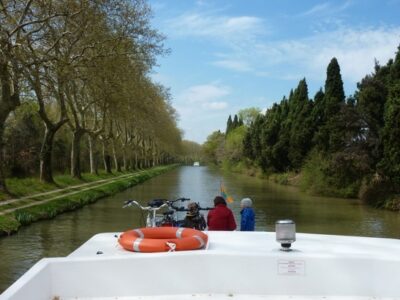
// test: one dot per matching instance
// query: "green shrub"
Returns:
(322, 175)
(280, 178)
(8, 224)
(376, 192)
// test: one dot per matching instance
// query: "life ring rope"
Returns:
(162, 239)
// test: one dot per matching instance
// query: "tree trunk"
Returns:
(76, 154)
(130, 166)
(116, 161)
(93, 155)
(124, 160)
(106, 159)
(3, 186)
(46, 153)
(9, 101)
(154, 159)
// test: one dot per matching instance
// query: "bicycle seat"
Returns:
(156, 202)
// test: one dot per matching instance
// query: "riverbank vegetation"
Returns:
(76, 92)
(46, 206)
(330, 144)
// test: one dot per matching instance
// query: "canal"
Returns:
(63, 234)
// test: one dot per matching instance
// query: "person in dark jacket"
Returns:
(194, 219)
(247, 221)
(220, 217)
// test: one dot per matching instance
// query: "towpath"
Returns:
(32, 200)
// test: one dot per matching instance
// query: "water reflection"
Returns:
(62, 235)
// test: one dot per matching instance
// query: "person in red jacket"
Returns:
(220, 217)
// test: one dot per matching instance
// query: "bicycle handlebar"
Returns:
(133, 202)
(152, 207)
(179, 199)
(168, 203)
(186, 209)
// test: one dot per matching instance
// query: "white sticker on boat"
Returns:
(292, 267)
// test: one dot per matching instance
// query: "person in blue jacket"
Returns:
(247, 222)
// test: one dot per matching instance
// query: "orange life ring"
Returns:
(162, 239)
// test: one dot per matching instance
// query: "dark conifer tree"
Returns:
(329, 135)
(228, 125)
(235, 123)
(391, 131)
(334, 92)
(370, 103)
(255, 134)
(318, 112)
(301, 130)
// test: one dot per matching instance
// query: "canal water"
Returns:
(61, 235)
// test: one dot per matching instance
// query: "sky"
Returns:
(227, 55)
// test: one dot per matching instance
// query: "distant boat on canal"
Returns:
(196, 164)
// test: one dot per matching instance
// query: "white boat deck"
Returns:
(259, 243)
(230, 297)
(235, 265)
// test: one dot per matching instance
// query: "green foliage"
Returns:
(336, 145)
(106, 93)
(23, 134)
(228, 125)
(330, 176)
(233, 150)
(281, 178)
(301, 130)
(8, 225)
(235, 122)
(231, 125)
(252, 142)
(327, 137)
(26, 186)
(191, 152)
(213, 148)
(249, 115)
(391, 135)
(334, 92)
(281, 139)
(376, 191)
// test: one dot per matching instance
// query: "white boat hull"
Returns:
(236, 264)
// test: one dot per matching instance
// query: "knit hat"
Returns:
(246, 202)
(193, 209)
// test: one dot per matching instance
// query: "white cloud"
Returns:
(235, 65)
(215, 105)
(354, 49)
(292, 59)
(203, 93)
(326, 8)
(222, 28)
(317, 8)
(249, 51)
(203, 108)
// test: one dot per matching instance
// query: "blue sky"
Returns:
(227, 55)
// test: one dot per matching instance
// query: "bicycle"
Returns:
(169, 218)
(153, 219)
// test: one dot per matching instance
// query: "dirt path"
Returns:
(80, 187)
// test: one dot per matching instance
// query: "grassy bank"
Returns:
(312, 179)
(22, 187)
(11, 222)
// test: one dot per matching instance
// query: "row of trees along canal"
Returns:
(347, 147)
(76, 72)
